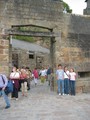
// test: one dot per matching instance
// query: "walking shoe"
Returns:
(7, 107)
(59, 93)
(63, 94)
(16, 98)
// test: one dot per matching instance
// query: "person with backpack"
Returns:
(3, 85)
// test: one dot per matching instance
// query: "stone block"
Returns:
(1, 51)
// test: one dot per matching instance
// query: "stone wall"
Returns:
(4, 55)
(74, 46)
(20, 12)
(24, 60)
(83, 85)
(25, 12)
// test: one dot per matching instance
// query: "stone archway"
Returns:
(13, 13)
(15, 30)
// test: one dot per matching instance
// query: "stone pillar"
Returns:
(52, 52)
(52, 61)
(58, 51)
(55, 51)
(4, 54)
(57, 59)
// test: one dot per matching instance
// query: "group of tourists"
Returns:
(21, 79)
(65, 80)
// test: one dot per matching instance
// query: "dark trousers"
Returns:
(15, 92)
(19, 85)
(28, 84)
(72, 87)
(66, 86)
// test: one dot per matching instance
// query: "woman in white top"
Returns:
(72, 81)
(15, 76)
(66, 80)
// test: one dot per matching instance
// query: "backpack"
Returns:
(9, 87)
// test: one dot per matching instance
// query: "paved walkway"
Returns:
(41, 104)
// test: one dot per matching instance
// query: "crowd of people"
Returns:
(21, 79)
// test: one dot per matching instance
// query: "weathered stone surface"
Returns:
(42, 104)
(83, 85)
(4, 56)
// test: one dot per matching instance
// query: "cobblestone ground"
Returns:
(41, 104)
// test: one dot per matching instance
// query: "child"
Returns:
(72, 81)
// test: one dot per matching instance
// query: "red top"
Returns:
(23, 76)
(35, 72)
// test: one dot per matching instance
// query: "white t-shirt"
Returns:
(60, 74)
(14, 75)
(72, 76)
(66, 74)
(46, 71)
(43, 72)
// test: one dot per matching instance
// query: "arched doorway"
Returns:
(35, 31)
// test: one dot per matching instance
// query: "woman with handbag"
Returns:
(15, 76)
(66, 80)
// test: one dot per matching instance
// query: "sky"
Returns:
(77, 6)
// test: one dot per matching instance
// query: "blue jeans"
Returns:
(2, 93)
(72, 87)
(66, 86)
(60, 84)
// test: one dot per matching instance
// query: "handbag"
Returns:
(9, 87)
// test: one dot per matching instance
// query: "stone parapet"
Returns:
(86, 11)
(83, 85)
